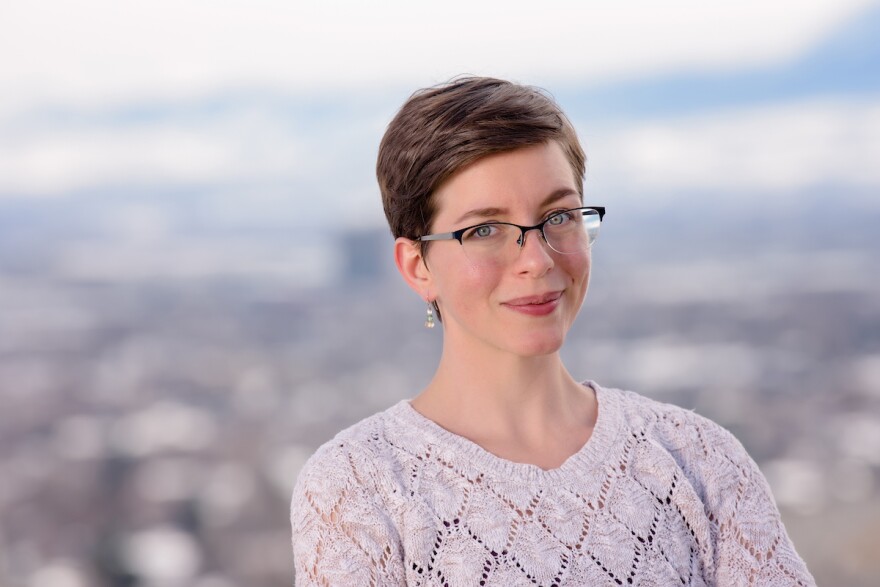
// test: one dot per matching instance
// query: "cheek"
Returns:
(471, 286)
(578, 267)
(462, 287)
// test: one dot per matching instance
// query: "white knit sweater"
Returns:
(658, 496)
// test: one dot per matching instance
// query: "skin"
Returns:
(501, 382)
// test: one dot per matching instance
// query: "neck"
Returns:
(517, 407)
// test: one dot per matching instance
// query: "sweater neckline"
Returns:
(591, 454)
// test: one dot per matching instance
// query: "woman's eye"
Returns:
(484, 231)
(481, 232)
(559, 218)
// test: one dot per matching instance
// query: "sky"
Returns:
(266, 98)
(99, 51)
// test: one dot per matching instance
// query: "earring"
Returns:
(429, 318)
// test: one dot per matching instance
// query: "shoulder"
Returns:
(714, 463)
(353, 455)
(347, 478)
(670, 424)
(748, 539)
(711, 458)
(371, 458)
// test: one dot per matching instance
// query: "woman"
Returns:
(505, 470)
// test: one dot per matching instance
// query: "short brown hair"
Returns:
(442, 129)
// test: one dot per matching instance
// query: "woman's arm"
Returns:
(341, 535)
(751, 544)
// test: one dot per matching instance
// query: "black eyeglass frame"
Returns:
(458, 234)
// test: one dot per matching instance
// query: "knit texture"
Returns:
(658, 496)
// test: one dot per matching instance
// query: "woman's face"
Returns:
(525, 304)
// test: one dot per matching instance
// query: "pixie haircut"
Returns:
(443, 129)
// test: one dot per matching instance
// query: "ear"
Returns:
(411, 264)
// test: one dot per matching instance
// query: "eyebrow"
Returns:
(554, 196)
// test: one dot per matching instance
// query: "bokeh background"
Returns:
(196, 285)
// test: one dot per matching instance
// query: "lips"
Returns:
(535, 300)
(539, 305)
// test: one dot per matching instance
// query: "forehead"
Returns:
(516, 183)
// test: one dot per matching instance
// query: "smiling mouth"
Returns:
(538, 300)
(536, 306)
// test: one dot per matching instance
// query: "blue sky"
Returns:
(268, 104)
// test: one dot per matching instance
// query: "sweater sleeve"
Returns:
(341, 533)
(751, 544)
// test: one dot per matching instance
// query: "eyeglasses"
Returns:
(567, 232)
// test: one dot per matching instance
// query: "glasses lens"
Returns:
(572, 231)
(490, 243)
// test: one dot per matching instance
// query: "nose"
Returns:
(534, 258)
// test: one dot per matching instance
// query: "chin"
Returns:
(538, 345)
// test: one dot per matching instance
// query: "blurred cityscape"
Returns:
(152, 425)
(197, 287)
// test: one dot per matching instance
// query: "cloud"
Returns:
(73, 77)
(778, 148)
(760, 149)
(237, 148)
(101, 52)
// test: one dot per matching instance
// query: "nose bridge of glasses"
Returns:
(524, 230)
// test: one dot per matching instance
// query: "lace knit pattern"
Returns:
(658, 496)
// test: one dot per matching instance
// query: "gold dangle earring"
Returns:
(429, 319)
